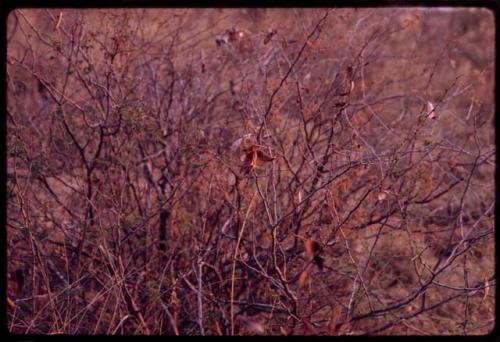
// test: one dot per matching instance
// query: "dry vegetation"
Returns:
(251, 171)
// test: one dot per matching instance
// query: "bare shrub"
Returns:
(306, 171)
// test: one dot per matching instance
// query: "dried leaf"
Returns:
(252, 154)
(381, 196)
(486, 288)
(11, 303)
(430, 110)
(303, 278)
(284, 330)
(227, 197)
(59, 19)
(236, 144)
(264, 157)
(312, 248)
(244, 142)
(250, 163)
(453, 63)
(298, 197)
(430, 107)
(218, 328)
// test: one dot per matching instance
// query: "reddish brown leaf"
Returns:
(264, 157)
(298, 197)
(250, 162)
(218, 328)
(303, 278)
(59, 19)
(11, 303)
(486, 288)
(312, 248)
